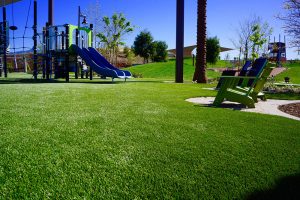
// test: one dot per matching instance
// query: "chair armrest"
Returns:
(239, 77)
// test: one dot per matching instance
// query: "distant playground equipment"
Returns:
(64, 49)
(277, 51)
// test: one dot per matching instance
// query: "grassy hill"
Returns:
(166, 70)
(293, 72)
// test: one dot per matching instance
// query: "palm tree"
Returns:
(200, 70)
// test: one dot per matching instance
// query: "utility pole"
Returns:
(179, 40)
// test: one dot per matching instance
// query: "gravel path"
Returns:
(265, 107)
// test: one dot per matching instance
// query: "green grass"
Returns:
(293, 72)
(136, 140)
(166, 70)
(284, 96)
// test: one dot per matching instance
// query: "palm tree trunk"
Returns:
(200, 70)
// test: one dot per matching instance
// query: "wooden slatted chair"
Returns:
(249, 88)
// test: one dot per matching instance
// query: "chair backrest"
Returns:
(257, 67)
(245, 68)
(255, 70)
(225, 73)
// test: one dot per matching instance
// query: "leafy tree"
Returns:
(142, 45)
(245, 31)
(292, 20)
(258, 38)
(114, 28)
(200, 69)
(213, 50)
(159, 51)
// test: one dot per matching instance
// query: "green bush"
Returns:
(159, 51)
(213, 50)
(137, 75)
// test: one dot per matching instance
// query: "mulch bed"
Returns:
(292, 109)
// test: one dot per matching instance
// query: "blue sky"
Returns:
(158, 16)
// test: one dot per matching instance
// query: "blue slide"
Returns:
(101, 61)
(83, 53)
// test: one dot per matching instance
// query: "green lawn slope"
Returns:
(166, 70)
(138, 140)
(293, 71)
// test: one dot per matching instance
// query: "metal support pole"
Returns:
(179, 40)
(56, 38)
(56, 51)
(76, 57)
(78, 24)
(50, 23)
(44, 52)
(92, 35)
(67, 63)
(62, 40)
(35, 34)
(47, 52)
(50, 12)
(5, 44)
(279, 38)
(91, 71)
(79, 13)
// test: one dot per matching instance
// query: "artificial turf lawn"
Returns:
(136, 140)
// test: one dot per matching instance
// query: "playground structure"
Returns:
(277, 51)
(64, 49)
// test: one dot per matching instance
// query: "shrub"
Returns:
(159, 51)
(213, 50)
(137, 75)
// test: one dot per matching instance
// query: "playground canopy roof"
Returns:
(7, 2)
(187, 51)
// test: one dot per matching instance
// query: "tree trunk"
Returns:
(200, 69)
(246, 51)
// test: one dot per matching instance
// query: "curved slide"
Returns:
(83, 53)
(101, 61)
